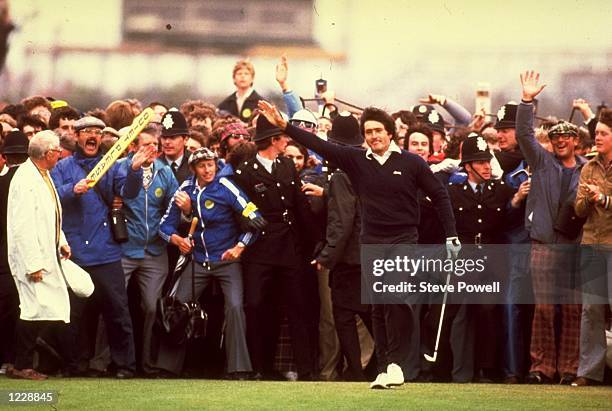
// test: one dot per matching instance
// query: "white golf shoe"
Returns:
(395, 375)
(380, 383)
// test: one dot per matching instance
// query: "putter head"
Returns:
(431, 358)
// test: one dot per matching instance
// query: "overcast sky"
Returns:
(382, 40)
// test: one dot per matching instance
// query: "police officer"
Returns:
(274, 264)
(481, 207)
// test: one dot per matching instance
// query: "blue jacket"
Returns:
(145, 211)
(85, 217)
(216, 206)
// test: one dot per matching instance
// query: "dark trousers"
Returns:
(345, 282)
(392, 326)
(456, 340)
(109, 298)
(26, 333)
(264, 285)
(9, 314)
(487, 323)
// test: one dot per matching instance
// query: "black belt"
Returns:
(285, 217)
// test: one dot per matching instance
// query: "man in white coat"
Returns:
(36, 244)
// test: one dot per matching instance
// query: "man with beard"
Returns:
(88, 229)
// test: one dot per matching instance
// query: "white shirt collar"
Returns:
(178, 161)
(266, 162)
(382, 159)
(240, 100)
(474, 185)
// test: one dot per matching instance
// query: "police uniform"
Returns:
(481, 213)
(480, 217)
(274, 264)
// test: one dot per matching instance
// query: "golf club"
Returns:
(433, 357)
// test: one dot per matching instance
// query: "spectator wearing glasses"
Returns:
(229, 135)
(35, 243)
(307, 120)
(88, 229)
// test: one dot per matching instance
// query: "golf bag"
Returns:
(177, 322)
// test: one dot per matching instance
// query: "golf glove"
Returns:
(453, 246)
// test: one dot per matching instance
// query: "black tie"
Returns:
(174, 167)
(273, 169)
(479, 191)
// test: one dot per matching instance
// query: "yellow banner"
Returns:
(139, 123)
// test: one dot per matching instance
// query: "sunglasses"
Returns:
(303, 124)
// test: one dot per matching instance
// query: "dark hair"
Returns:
(263, 144)
(59, 113)
(14, 159)
(240, 152)
(376, 114)
(454, 143)
(211, 140)
(605, 117)
(406, 117)
(15, 110)
(419, 128)
(300, 147)
(197, 136)
(28, 120)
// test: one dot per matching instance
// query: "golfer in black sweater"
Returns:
(386, 180)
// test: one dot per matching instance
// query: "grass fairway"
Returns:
(108, 394)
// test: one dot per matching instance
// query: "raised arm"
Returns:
(525, 136)
(292, 101)
(340, 155)
(459, 113)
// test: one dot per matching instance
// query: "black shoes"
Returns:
(536, 377)
(567, 379)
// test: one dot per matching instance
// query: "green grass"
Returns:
(108, 394)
